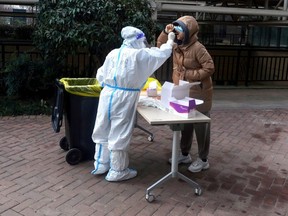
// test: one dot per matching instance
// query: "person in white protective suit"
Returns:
(124, 72)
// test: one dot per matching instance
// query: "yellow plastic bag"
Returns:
(149, 80)
(88, 87)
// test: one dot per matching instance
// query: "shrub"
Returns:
(94, 25)
(24, 32)
(6, 31)
(28, 79)
(14, 107)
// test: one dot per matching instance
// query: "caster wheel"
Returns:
(73, 156)
(150, 198)
(150, 138)
(64, 144)
(198, 191)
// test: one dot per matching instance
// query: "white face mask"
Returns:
(139, 44)
(141, 38)
(147, 45)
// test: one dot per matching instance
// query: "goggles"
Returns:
(178, 28)
(140, 35)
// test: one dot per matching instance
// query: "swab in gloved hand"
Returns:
(171, 37)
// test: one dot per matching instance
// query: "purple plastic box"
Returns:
(182, 106)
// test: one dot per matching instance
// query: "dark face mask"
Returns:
(184, 29)
(178, 42)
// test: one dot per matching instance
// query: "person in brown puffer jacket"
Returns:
(192, 63)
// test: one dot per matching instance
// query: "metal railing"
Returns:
(234, 65)
(248, 64)
(241, 65)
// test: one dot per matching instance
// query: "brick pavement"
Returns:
(248, 173)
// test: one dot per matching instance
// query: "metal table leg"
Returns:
(174, 169)
(151, 136)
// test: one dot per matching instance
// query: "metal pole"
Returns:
(186, 7)
(285, 8)
(154, 8)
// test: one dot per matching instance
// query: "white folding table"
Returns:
(158, 117)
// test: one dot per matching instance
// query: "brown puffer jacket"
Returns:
(192, 62)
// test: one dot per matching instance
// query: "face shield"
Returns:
(141, 41)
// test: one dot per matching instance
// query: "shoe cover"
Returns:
(102, 158)
(119, 171)
(126, 174)
(119, 160)
(100, 168)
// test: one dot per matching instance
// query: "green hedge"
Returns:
(23, 32)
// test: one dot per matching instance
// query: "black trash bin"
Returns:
(77, 99)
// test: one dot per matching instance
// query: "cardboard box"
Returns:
(151, 92)
(183, 107)
(171, 91)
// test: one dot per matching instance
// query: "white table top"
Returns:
(156, 116)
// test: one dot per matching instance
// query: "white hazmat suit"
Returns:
(122, 76)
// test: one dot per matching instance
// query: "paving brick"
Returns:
(10, 212)
(49, 211)
(163, 209)
(247, 176)
(270, 201)
(135, 210)
(7, 206)
(29, 211)
(23, 205)
(38, 204)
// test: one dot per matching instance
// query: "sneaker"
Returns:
(198, 166)
(182, 159)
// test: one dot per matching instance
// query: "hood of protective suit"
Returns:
(190, 27)
(133, 37)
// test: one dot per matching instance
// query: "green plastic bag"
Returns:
(87, 87)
